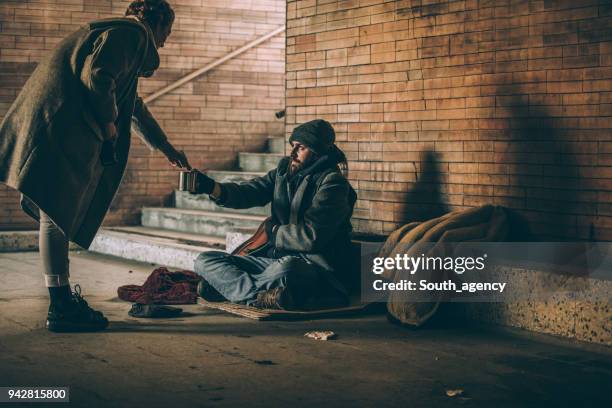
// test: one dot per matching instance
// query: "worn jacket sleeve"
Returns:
(115, 54)
(329, 209)
(253, 193)
(146, 126)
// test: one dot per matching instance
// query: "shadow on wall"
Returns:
(425, 200)
(542, 167)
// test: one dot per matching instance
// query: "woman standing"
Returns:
(64, 142)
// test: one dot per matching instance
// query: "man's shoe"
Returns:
(278, 298)
(154, 311)
(207, 292)
(75, 316)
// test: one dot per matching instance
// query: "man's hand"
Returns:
(175, 157)
(204, 184)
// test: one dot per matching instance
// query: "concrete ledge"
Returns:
(23, 241)
(17, 241)
(579, 307)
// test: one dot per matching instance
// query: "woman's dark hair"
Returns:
(154, 12)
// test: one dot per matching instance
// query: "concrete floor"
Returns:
(208, 358)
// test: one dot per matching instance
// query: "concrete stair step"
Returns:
(258, 161)
(235, 237)
(224, 176)
(276, 145)
(155, 246)
(209, 223)
(201, 202)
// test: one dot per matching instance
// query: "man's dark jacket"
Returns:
(313, 209)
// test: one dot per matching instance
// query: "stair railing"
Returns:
(213, 64)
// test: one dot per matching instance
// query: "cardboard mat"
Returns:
(269, 314)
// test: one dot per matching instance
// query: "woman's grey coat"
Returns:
(51, 137)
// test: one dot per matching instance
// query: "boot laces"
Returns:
(270, 299)
(76, 295)
(82, 304)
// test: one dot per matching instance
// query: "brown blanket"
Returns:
(486, 224)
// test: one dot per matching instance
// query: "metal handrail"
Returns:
(213, 64)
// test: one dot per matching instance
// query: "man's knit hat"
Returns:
(318, 135)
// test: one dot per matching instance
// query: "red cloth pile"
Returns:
(163, 287)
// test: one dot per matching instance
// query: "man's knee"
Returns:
(206, 260)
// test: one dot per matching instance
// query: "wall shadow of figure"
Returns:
(424, 200)
(542, 167)
(542, 159)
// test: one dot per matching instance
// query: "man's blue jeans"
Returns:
(240, 278)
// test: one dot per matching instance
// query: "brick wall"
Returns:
(227, 110)
(450, 104)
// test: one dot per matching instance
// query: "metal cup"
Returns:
(187, 181)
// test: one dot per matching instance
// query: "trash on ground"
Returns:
(454, 393)
(264, 362)
(321, 335)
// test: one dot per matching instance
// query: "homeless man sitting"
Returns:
(301, 264)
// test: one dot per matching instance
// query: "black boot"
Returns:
(74, 315)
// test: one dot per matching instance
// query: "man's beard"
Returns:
(296, 166)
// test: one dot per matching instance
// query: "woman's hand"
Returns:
(175, 157)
